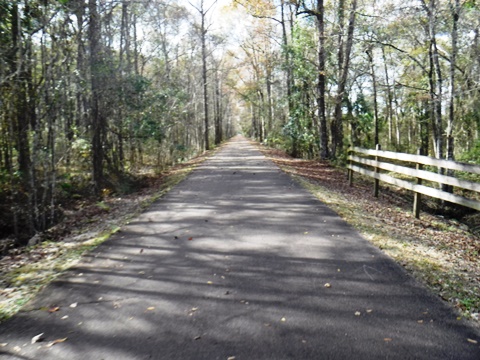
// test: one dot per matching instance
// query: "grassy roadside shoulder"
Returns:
(440, 253)
(25, 272)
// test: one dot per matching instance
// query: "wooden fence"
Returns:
(367, 162)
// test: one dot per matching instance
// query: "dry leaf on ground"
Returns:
(37, 338)
(57, 341)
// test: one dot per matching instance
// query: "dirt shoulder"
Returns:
(441, 253)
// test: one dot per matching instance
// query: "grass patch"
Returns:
(42, 264)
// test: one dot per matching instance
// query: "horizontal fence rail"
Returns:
(367, 162)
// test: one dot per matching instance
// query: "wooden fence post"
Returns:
(350, 171)
(417, 199)
(376, 183)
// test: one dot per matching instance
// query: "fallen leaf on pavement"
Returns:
(53, 309)
(57, 341)
(190, 238)
(37, 338)
(192, 311)
(387, 339)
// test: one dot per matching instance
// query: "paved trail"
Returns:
(232, 264)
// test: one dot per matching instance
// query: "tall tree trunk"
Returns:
(254, 120)
(435, 80)
(286, 52)
(343, 65)
(97, 119)
(322, 117)
(23, 117)
(389, 99)
(81, 100)
(20, 90)
(204, 76)
(269, 98)
(218, 110)
(453, 62)
(375, 105)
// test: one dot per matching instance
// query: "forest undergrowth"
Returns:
(440, 251)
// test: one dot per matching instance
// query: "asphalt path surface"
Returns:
(237, 262)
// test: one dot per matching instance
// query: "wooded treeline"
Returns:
(94, 92)
(403, 74)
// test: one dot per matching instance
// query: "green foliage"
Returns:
(133, 91)
(301, 135)
(149, 127)
(276, 140)
(152, 111)
(471, 156)
(81, 148)
(101, 205)
(362, 122)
